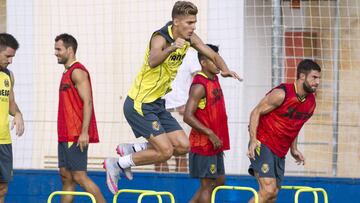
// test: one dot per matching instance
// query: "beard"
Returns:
(307, 88)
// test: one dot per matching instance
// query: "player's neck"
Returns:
(299, 89)
(209, 75)
(69, 63)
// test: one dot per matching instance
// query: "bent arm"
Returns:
(159, 50)
(270, 102)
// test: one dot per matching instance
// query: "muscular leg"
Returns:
(179, 141)
(68, 184)
(88, 185)
(161, 150)
(268, 189)
(203, 194)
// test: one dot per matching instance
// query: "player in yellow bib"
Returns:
(8, 47)
(144, 107)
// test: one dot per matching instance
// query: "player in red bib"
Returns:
(76, 121)
(274, 126)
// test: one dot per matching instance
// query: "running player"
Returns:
(274, 126)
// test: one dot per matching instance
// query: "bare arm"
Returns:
(82, 83)
(199, 45)
(197, 92)
(298, 156)
(160, 49)
(14, 109)
(270, 102)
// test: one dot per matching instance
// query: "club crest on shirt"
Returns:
(156, 125)
(212, 168)
(265, 168)
(6, 83)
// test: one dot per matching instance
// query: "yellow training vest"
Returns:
(153, 83)
(5, 86)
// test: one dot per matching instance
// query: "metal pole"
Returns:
(335, 110)
(277, 42)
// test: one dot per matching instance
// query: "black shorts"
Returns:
(267, 164)
(71, 157)
(6, 163)
(201, 166)
(154, 121)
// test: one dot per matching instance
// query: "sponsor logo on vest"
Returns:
(64, 87)
(5, 93)
(177, 57)
(217, 95)
(296, 115)
(6, 83)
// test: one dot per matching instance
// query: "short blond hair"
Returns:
(183, 8)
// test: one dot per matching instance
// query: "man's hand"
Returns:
(83, 141)
(19, 123)
(253, 143)
(231, 74)
(298, 156)
(215, 141)
(179, 43)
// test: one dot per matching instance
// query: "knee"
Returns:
(269, 192)
(182, 148)
(165, 153)
(66, 178)
(80, 179)
(3, 190)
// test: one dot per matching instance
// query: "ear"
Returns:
(175, 21)
(302, 76)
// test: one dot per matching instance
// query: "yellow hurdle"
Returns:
(134, 192)
(288, 187)
(225, 187)
(71, 193)
(163, 193)
(296, 200)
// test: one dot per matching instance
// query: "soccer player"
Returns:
(8, 47)
(144, 107)
(274, 126)
(76, 120)
(209, 137)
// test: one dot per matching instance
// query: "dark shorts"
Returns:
(6, 163)
(156, 119)
(267, 164)
(201, 166)
(71, 157)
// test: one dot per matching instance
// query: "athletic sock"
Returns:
(140, 146)
(125, 161)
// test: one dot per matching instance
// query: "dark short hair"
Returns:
(183, 8)
(68, 40)
(213, 47)
(7, 40)
(305, 66)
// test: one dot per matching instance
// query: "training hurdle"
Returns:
(225, 187)
(302, 190)
(71, 193)
(134, 192)
(162, 193)
(297, 187)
